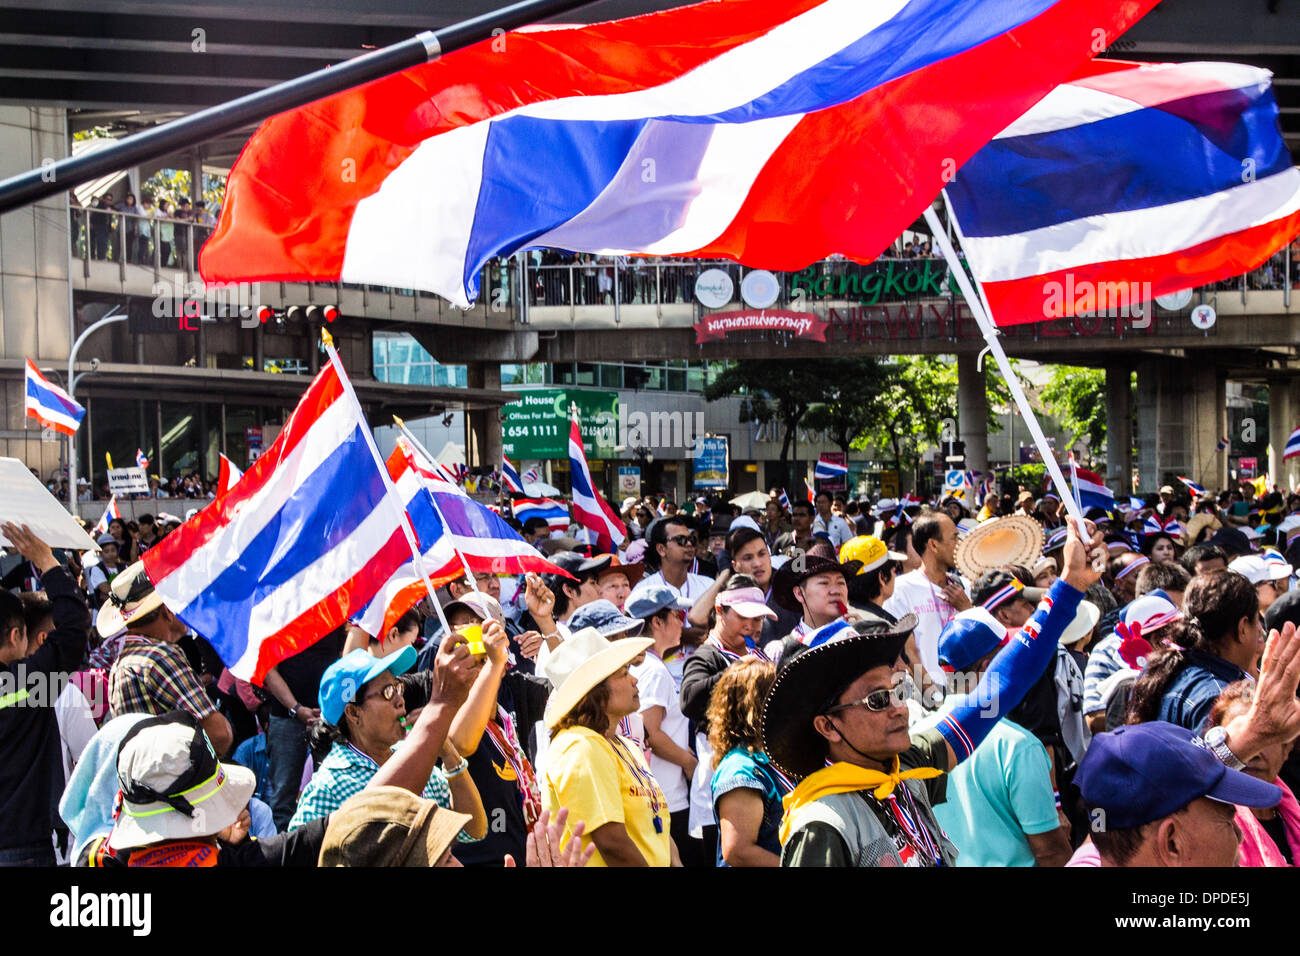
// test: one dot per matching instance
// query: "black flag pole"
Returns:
(216, 120)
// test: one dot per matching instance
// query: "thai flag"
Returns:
(1193, 486)
(1196, 186)
(1136, 504)
(532, 475)
(297, 547)
(227, 474)
(785, 501)
(49, 404)
(1222, 444)
(589, 509)
(828, 469)
(453, 531)
(1092, 491)
(555, 513)
(140, 460)
(747, 129)
(1292, 445)
(110, 514)
(510, 476)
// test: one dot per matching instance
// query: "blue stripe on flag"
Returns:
(1151, 157)
(323, 511)
(49, 400)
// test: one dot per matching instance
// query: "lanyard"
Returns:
(732, 656)
(914, 830)
(506, 739)
(642, 776)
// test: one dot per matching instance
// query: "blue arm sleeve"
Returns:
(965, 721)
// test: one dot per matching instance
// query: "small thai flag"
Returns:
(1223, 443)
(828, 469)
(555, 513)
(532, 475)
(1092, 492)
(785, 501)
(110, 514)
(510, 476)
(1292, 445)
(1193, 486)
(661, 509)
(49, 404)
(140, 460)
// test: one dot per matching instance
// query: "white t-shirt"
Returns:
(696, 585)
(657, 689)
(914, 593)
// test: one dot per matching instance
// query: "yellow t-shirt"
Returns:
(585, 773)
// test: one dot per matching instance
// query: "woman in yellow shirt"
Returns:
(601, 777)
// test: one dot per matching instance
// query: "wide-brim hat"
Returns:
(157, 754)
(786, 578)
(1016, 539)
(389, 826)
(634, 571)
(1085, 619)
(581, 663)
(131, 596)
(809, 678)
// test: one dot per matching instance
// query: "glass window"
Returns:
(611, 376)
(585, 374)
(676, 380)
(695, 377)
(654, 378)
(240, 418)
(180, 440)
(120, 426)
(379, 349)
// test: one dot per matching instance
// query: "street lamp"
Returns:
(113, 316)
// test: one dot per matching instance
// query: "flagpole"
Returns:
(227, 117)
(390, 490)
(990, 332)
(464, 563)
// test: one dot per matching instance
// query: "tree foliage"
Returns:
(1076, 397)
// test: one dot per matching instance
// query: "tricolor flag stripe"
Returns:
(1193, 486)
(111, 513)
(510, 477)
(49, 404)
(1292, 445)
(748, 108)
(1093, 492)
(227, 475)
(555, 513)
(827, 469)
(589, 509)
(1182, 215)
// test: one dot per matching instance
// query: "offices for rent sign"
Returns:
(537, 424)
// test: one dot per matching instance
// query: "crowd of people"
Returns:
(132, 231)
(835, 682)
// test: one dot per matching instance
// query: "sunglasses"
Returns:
(683, 540)
(388, 691)
(877, 700)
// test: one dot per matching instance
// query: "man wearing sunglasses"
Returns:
(837, 701)
(672, 542)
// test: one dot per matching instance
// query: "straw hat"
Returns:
(131, 596)
(580, 664)
(1017, 539)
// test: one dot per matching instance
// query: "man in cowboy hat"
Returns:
(151, 674)
(841, 701)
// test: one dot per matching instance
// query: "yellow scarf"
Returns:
(846, 778)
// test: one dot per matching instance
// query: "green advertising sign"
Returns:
(537, 425)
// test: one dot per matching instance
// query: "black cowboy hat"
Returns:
(808, 681)
(785, 578)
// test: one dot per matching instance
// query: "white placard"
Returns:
(1204, 317)
(759, 289)
(128, 481)
(714, 288)
(24, 500)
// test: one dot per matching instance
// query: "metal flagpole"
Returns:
(464, 563)
(389, 488)
(990, 332)
(224, 118)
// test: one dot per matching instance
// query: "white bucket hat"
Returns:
(581, 663)
(173, 786)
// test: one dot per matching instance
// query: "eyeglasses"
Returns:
(388, 690)
(877, 700)
(683, 540)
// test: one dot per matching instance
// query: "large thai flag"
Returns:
(1292, 446)
(445, 523)
(555, 513)
(828, 469)
(757, 130)
(590, 509)
(1131, 180)
(510, 476)
(49, 404)
(293, 550)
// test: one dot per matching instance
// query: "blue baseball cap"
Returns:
(969, 636)
(1144, 772)
(347, 675)
(607, 619)
(650, 601)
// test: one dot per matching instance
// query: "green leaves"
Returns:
(1076, 397)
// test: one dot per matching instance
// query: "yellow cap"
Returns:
(868, 549)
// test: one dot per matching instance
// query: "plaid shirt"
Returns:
(152, 677)
(344, 773)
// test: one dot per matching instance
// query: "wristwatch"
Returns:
(1217, 738)
(293, 711)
